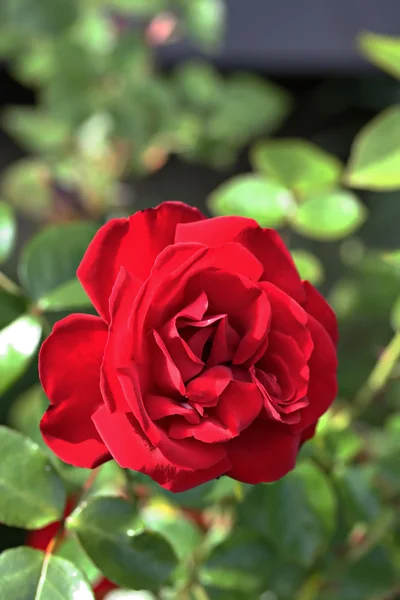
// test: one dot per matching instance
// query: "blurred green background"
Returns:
(92, 127)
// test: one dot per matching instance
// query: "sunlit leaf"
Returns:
(297, 164)
(26, 185)
(204, 21)
(252, 196)
(8, 230)
(18, 343)
(67, 296)
(309, 266)
(32, 494)
(375, 155)
(329, 216)
(27, 574)
(382, 50)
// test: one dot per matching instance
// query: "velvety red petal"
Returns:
(209, 430)
(317, 306)
(287, 316)
(322, 386)
(132, 243)
(263, 452)
(225, 343)
(159, 407)
(132, 450)
(265, 244)
(208, 387)
(69, 368)
(239, 405)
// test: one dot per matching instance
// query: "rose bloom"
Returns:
(41, 538)
(209, 356)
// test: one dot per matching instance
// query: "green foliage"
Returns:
(28, 574)
(51, 259)
(33, 497)
(309, 266)
(120, 546)
(375, 157)
(298, 165)
(8, 230)
(382, 50)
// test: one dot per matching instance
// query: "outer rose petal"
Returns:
(317, 306)
(265, 244)
(322, 386)
(132, 451)
(69, 367)
(132, 243)
(264, 452)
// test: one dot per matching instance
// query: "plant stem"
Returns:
(9, 286)
(379, 375)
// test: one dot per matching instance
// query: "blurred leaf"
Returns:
(94, 133)
(393, 258)
(37, 66)
(375, 155)
(11, 307)
(199, 84)
(52, 257)
(309, 266)
(366, 578)
(330, 216)
(36, 130)
(382, 50)
(8, 230)
(359, 498)
(71, 550)
(26, 413)
(266, 106)
(204, 21)
(300, 166)
(183, 535)
(18, 344)
(296, 514)
(108, 530)
(252, 196)
(68, 296)
(32, 494)
(27, 574)
(139, 7)
(395, 315)
(37, 17)
(26, 185)
(243, 563)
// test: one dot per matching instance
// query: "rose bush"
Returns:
(209, 355)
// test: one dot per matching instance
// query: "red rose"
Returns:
(209, 357)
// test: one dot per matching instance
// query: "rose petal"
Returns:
(209, 430)
(225, 343)
(263, 452)
(208, 387)
(265, 244)
(239, 405)
(322, 386)
(159, 407)
(69, 367)
(132, 243)
(317, 306)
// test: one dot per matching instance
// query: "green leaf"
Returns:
(71, 550)
(375, 154)
(109, 531)
(52, 257)
(357, 494)
(36, 130)
(252, 196)
(199, 84)
(18, 344)
(183, 535)
(205, 21)
(28, 574)
(395, 315)
(296, 514)
(382, 50)
(68, 296)
(139, 7)
(39, 17)
(244, 563)
(26, 185)
(309, 266)
(300, 166)
(329, 216)
(32, 494)
(26, 413)
(267, 105)
(11, 307)
(8, 230)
